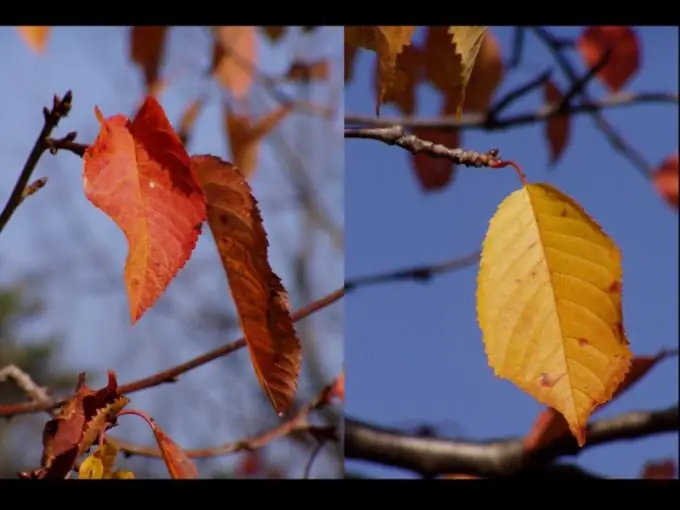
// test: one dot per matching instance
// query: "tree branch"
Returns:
(171, 374)
(418, 273)
(479, 120)
(495, 458)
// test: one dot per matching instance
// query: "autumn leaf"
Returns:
(557, 128)
(550, 424)
(624, 59)
(188, 120)
(274, 33)
(139, 174)
(91, 468)
(450, 55)
(350, 54)
(147, 45)
(388, 43)
(486, 76)
(665, 180)
(234, 56)
(260, 298)
(305, 72)
(660, 470)
(250, 465)
(179, 465)
(410, 64)
(81, 420)
(435, 173)
(549, 303)
(245, 135)
(35, 37)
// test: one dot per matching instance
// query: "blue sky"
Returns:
(413, 352)
(60, 232)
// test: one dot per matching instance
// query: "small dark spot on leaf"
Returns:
(615, 287)
(223, 219)
(582, 342)
(563, 213)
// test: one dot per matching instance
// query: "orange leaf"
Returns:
(350, 54)
(666, 180)
(35, 37)
(557, 128)
(260, 298)
(139, 175)
(245, 136)
(188, 120)
(179, 465)
(660, 470)
(487, 75)
(409, 74)
(624, 58)
(435, 173)
(300, 71)
(551, 425)
(146, 50)
(234, 58)
(85, 416)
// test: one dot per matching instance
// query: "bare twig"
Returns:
(504, 102)
(60, 109)
(312, 458)
(418, 273)
(297, 423)
(503, 457)
(617, 141)
(396, 135)
(171, 374)
(25, 383)
(479, 120)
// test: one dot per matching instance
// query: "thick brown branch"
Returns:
(479, 121)
(171, 374)
(60, 109)
(418, 273)
(297, 423)
(495, 458)
(396, 135)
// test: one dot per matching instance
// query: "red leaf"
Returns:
(147, 45)
(556, 128)
(179, 465)
(435, 173)
(660, 470)
(551, 425)
(623, 60)
(666, 180)
(139, 174)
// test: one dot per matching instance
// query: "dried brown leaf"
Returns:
(260, 298)
(557, 128)
(304, 72)
(188, 120)
(178, 463)
(409, 69)
(147, 46)
(274, 33)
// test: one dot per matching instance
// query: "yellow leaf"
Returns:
(467, 41)
(549, 303)
(35, 37)
(387, 42)
(122, 475)
(107, 453)
(92, 468)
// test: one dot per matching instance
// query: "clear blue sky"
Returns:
(413, 352)
(59, 231)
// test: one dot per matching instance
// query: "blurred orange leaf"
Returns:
(245, 136)
(410, 65)
(189, 117)
(624, 59)
(300, 71)
(435, 173)
(86, 415)
(551, 425)
(274, 33)
(139, 174)
(388, 42)
(666, 180)
(660, 470)
(234, 57)
(147, 45)
(557, 128)
(487, 75)
(260, 298)
(35, 37)
(179, 465)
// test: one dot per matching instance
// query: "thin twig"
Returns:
(504, 102)
(60, 109)
(422, 273)
(479, 120)
(171, 374)
(503, 457)
(396, 135)
(297, 423)
(25, 383)
(315, 453)
(615, 139)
